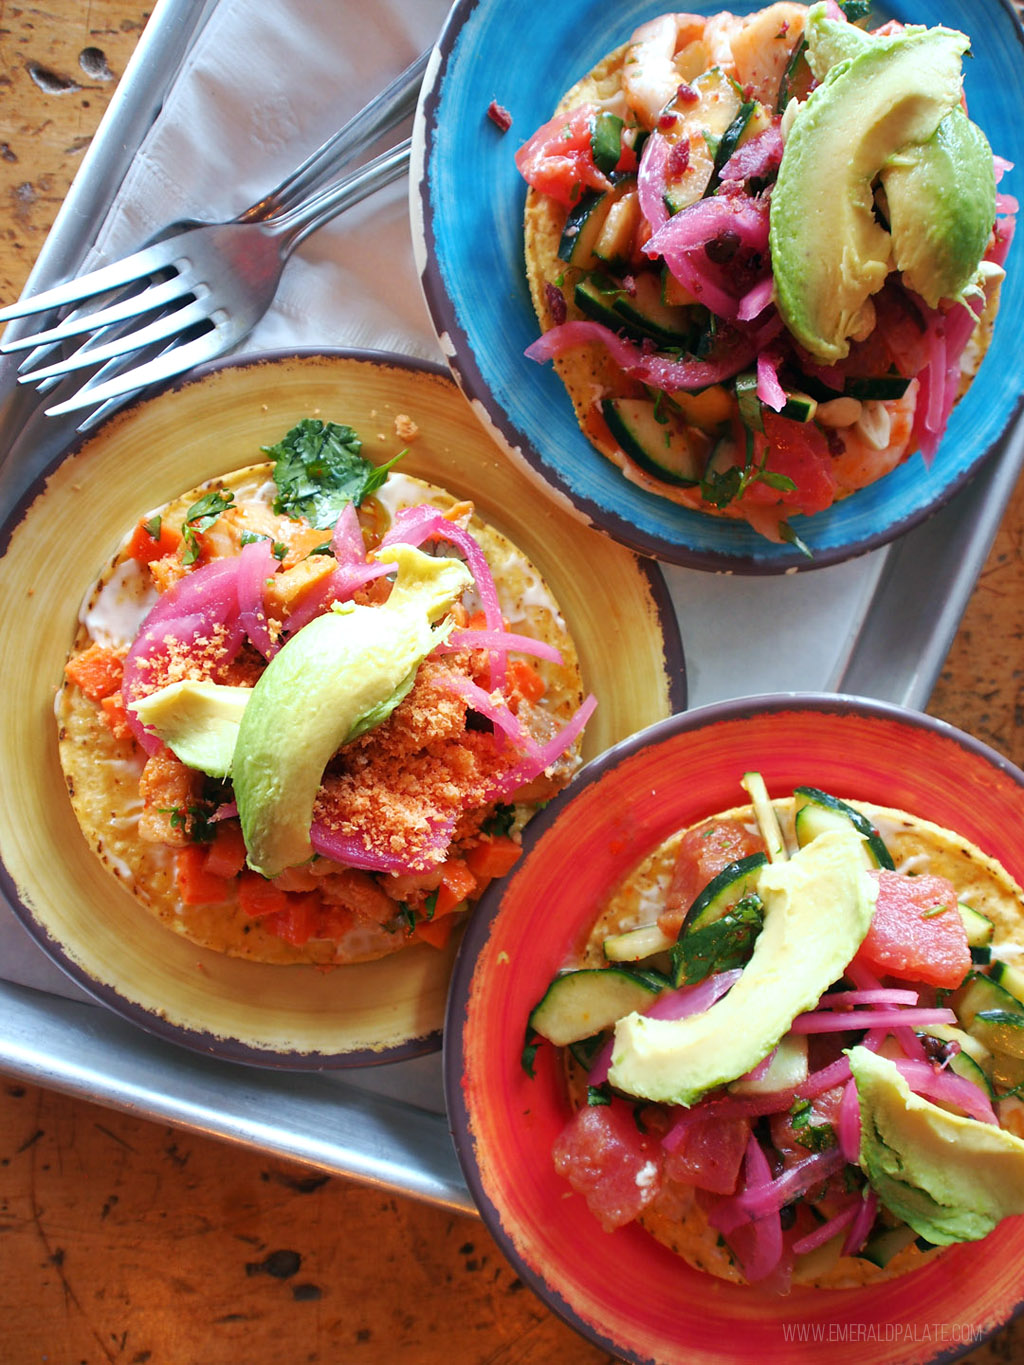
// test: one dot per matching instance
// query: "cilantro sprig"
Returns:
(318, 470)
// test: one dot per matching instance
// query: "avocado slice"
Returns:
(197, 720)
(340, 675)
(941, 200)
(829, 252)
(952, 1179)
(818, 907)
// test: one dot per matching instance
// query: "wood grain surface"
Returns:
(126, 1241)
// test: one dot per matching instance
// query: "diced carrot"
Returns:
(360, 893)
(98, 671)
(145, 547)
(116, 716)
(526, 681)
(257, 896)
(493, 857)
(195, 885)
(225, 857)
(297, 922)
(457, 882)
(436, 932)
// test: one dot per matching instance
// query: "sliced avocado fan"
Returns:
(950, 1178)
(886, 109)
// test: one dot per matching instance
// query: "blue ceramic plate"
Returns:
(467, 208)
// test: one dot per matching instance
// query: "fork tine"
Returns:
(175, 320)
(159, 256)
(165, 366)
(142, 301)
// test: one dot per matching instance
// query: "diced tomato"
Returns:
(457, 882)
(116, 715)
(225, 857)
(606, 1158)
(703, 852)
(195, 885)
(916, 932)
(98, 671)
(558, 160)
(436, 932)
(799, 451)
(493, 857)
(144, 547)
(257, 896)
(710, 1154)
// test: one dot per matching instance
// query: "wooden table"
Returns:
(126, 1241)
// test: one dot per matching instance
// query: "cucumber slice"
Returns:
(747, 400)
(636, 944)
(579, 1004)
(584, 224)
(786, 1070)
(614, 243)
(1010, 978)
(641, 314)
(972, 1058)
(881, 1247)
(799, 407)
(816, 812)
(657, 438)
(722, 892)
(1001, 1031)
(703, 123)
(978, 994)
(881, 387)
(731, 139)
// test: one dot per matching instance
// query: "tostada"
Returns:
(310, 706)
(794, 1044)
(765, 253)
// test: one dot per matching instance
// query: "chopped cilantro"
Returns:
(816, 1137)
(430, 905)
(318, 470)
(725, 943)
(529, 1053)
(277, 547)
(598, 1094)
(152, 526)
(500, 820)
(199, 517)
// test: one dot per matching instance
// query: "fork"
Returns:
(197, 289)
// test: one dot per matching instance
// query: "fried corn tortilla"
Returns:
(676, 1218)
(103, 771)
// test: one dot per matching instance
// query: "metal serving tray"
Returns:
(879, 626)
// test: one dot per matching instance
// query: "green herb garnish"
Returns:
(725, 943)
(199, 517)
(318, 470)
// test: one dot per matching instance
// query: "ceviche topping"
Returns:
(783, 209)
(811, 1050)
(339, 726)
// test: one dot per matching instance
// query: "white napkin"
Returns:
(262, 87)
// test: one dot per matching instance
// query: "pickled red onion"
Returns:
(755, 1203)
(947, 1087)
(826, 1231)
(650, 368)
(532, 766)
(256, 564)
(650, 179)
(494, 706)
(848, 1123)
(862, 1224)
(758, 1244)
(499, 640)
(829, 1021)
(351, 851)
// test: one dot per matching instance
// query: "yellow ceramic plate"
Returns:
(58, 542)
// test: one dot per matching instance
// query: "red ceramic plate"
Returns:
(622, 1290)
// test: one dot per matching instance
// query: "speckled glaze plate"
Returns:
(55, 544)
(622, 1290)
(467, 204)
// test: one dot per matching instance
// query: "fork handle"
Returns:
(395, 102)
(295, 227)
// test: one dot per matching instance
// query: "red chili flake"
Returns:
(556, 302)
(678, 159)
(687, 95)
(499, 115)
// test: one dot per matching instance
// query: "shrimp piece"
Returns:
(762, 45)
(661, 54)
